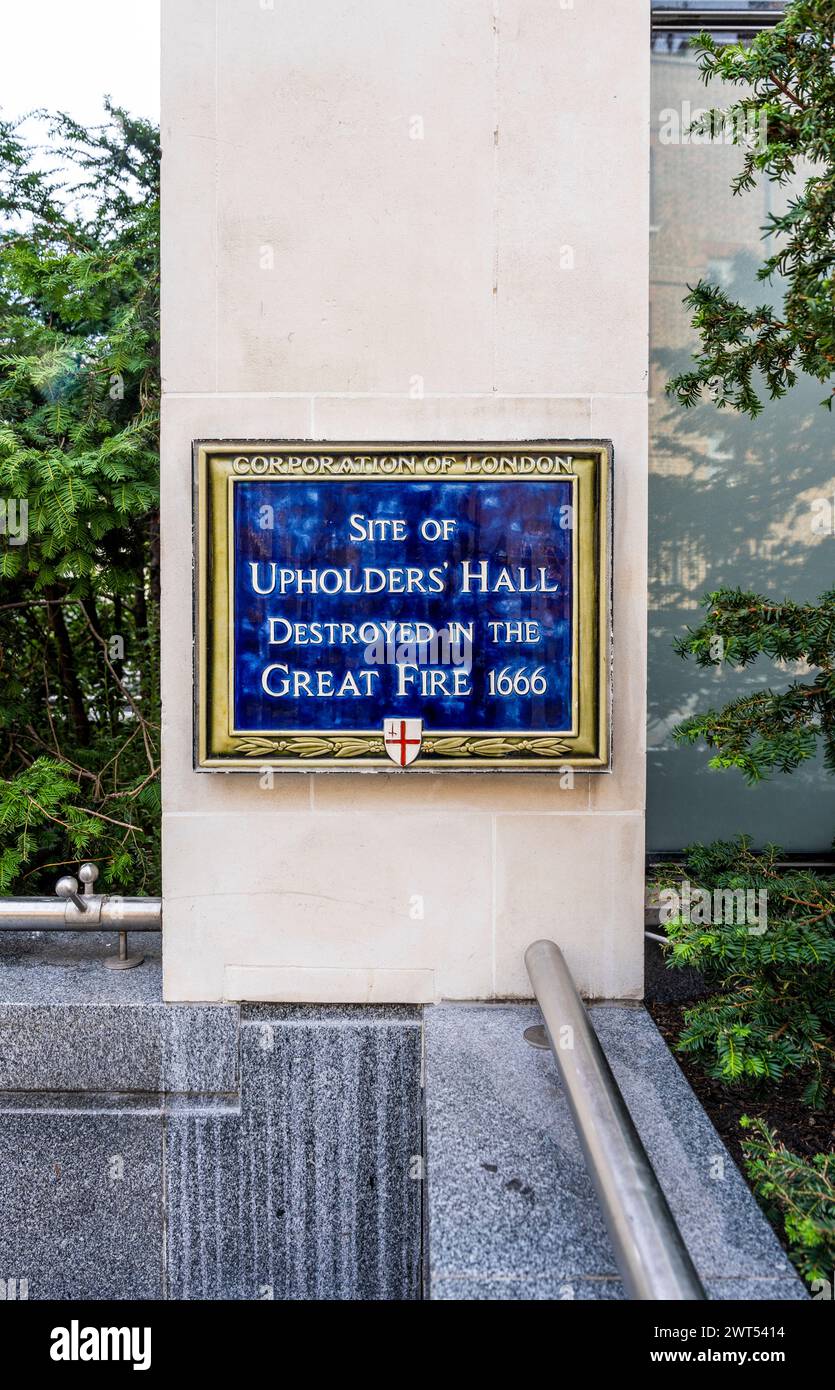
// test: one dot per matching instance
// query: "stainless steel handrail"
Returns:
(648, 1246)
(107, 914)
(87, 910)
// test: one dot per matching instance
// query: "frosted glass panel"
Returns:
(731, 500)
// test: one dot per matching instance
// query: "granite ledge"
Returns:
(509, 1201)
(67, 1023)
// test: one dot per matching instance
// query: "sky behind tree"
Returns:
(67, 54)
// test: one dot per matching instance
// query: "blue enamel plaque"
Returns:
(421, 607)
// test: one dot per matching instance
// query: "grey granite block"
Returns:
(314, 1192)
(754, 1290)
(333, 1118)
(118, 1047)
(75, 1047)
(509, 1199)
(68, 968)
(297, 1176)
(508, 1191)
(81, 1197)
(203, 1158)
(199, 1048)
(67, 1023)
(332, 1014)
(470, 1288)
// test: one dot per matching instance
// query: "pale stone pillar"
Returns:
(398, 221)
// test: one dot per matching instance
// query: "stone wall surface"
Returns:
(312, 1189)
(410, 223)
(152, 1150)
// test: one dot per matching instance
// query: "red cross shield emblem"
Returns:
(402, 739)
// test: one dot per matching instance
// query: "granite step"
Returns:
(511, 1211)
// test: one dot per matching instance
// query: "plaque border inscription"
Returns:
(219, 464)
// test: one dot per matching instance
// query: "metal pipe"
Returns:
(651, 1255)
(101, 914)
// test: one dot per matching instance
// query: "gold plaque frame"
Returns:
(218, 465)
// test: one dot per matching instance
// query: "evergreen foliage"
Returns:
(799, 1194)
(773, 1011)
(79, 432)
(785, 122)
(768, 730)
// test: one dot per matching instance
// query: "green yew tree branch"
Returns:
(785, 124)
(79, 446)
(770, 730)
